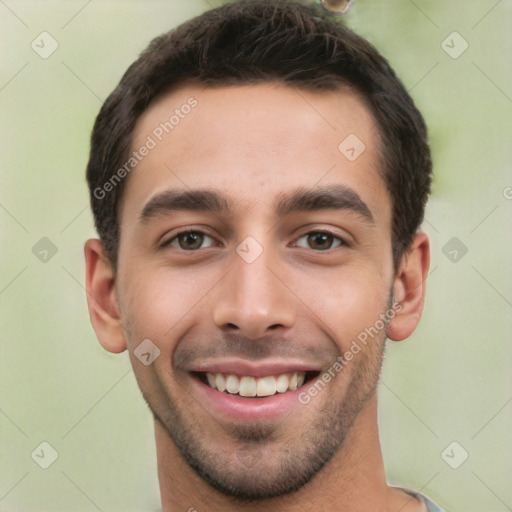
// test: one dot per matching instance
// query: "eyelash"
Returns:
(342, 242)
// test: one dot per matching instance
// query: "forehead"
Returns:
(255, 142)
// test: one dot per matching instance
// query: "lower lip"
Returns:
(236, 407)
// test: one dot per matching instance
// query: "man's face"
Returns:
(261, 290)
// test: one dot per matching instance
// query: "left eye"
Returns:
(189, 241)
(320, 240)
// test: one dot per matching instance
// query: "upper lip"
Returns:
(253, 369)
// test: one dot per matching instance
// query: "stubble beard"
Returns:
(262, 466)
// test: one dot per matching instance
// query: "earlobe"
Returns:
(409, 288)
(101, 298)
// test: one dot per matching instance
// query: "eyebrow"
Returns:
(331, 197)
(192, 200)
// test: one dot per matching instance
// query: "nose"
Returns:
(253, 299)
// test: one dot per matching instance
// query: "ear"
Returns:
(409, 288)
(101, 297)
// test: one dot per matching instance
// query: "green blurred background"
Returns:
(450, 382)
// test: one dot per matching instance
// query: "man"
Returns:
(258, 179)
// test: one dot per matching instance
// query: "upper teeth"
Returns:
(252, 386)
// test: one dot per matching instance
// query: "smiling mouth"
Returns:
(254, 387)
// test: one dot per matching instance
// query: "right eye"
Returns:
(189, 240)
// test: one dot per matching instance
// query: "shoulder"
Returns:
(431, 506)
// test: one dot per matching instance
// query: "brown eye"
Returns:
(320, 241)
(190, 241)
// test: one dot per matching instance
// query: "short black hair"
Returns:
(258, 41)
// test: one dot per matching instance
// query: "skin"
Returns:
(298, 301)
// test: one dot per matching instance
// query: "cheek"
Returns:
(160, 303)
(346, 302)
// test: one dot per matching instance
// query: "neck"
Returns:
(354, 480)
